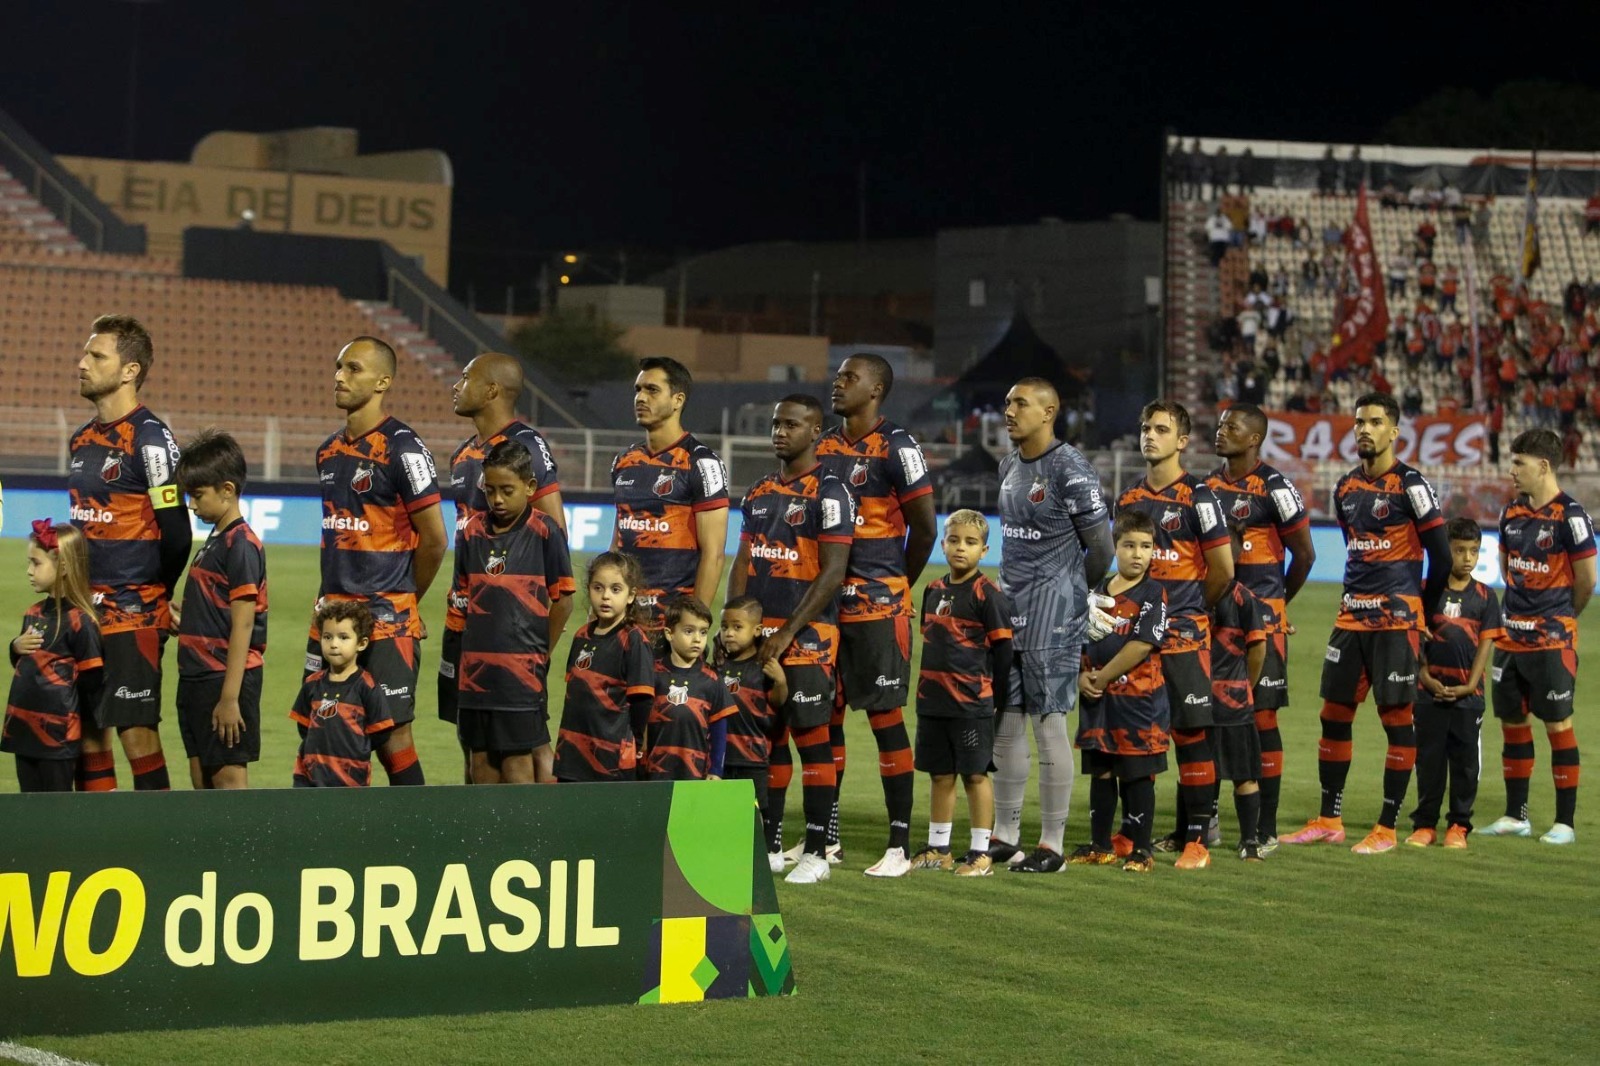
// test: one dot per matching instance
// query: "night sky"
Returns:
(598, 124)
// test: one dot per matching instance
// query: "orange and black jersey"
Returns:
(1132, 717)
(1539, 548)
(338, 720)
(658, 495)
(881, 471)
(690, 702)
(50, 687)
(510, 580)
(1271, 509)
(962, 622)
(785, 522)
(1239, 621)
(1189, 523)
(604, 671)
(750, 730)
(466, 488)
(229, 566)
(371, 486)
(121, 475)
(1383, 520)
(1465, 617)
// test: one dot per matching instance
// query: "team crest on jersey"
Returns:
(111, 469)
(327, 708)
(1545, 539)
(943, 610)
(663, 485)
(1171, 519)
(678, 693)
(585, 657)
(1452, 609)
(1036, 491)
(362, 481)
(1380, 508)
(496, 564)
(858, 473)
(1240, 508)
(480, 480)
(795, 514)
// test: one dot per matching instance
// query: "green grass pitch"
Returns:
(1487, 955)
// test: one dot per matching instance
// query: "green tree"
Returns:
(1539, 114)
(576, 347)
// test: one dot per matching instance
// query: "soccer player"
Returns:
(487, 392)
(1390, 519)
(1194, 563)
(1055, 547)
(671, 493)
(611, 678)
(1124, 724)
(966, 644)
(1547, 554)
(759, 688)
(687, 738)
(128, 507)
(512, 564)
(882, 466)
(1461, 638)
(798, 526)
(1277, 558)
(383, 537)
(1238, 654)
(341, 710)
(222, 625)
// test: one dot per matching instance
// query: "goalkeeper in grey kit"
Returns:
(1055, 547)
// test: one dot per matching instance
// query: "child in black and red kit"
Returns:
(687, 737)
(1450, 693)
(611, 678)
(56, 660)
(1238, 655)
(340, 707)
(758, 688)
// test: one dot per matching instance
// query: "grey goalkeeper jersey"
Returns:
(1044, 503)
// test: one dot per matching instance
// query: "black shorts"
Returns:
(1383, 661)
(1124, 767)
(1042, 682)
(810, 701)
(132, 690)
(197, 699)
(392, 664)
(503, 732)
(1272, 691)
(874, 671)
(449, 659)
(1188, 680)
(955, 745)
(1540, 683)
(1237, 752)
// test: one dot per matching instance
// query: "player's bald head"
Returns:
(375, 350)
(501, 370)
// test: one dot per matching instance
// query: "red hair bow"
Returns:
(44, 531)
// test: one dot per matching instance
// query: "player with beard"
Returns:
(383, 538)
(1193, 560)
(125, 500)
(1276, 559)
(1390, 519)
(882, 466)
(487, 392)
(1055, 546)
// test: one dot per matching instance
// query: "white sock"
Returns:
(980, 839)
(939, 834)
(1055, 779)
(1010, 775)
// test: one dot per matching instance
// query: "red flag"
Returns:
(1364, 316)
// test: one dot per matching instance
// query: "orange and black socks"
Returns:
(1401, 758)
(836, 741)
(1564, 768)
(1333, 756)
(403, 766)
(780, 771)
(1247, 805)
(1271, 770)
(1516, 760)
(896, 771)
(150, 773)
(97, 771)
(1197, 782)
(817, 783)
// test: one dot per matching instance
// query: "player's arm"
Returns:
(1437, 545)
(1219, 571)
(719, 749)
(711, 533)
(777, 683)
(1425, 678)
(1094, 530)
(1255, 660)
(1480, 663)
(922, 529)
(833, 555)
(1129, 656)
(431, 544)
(740, 572)
(1583, 578)
(1000, 658)
(1302, 557)
(176, 537)
(226, 718)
